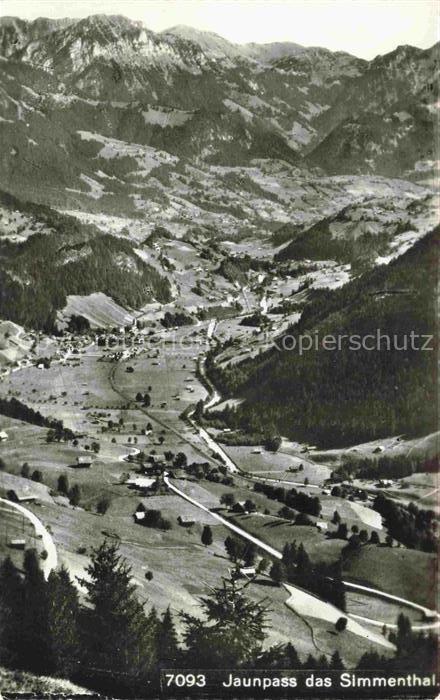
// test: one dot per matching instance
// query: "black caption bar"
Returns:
(226, 683)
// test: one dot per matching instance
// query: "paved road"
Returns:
(215, 447)
(51, 560)
(416, 628)
(238, 530)
(278, 555)
(213, 398)
(262, 545)
(394, 598)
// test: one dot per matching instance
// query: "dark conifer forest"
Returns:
(341, 397)
(114, 644)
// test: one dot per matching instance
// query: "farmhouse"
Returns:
(185, 520)
(385, 483)
(140, 482)
(21, 496)
(83, 462)
(3, 436)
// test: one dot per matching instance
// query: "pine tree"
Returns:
(75, 495)
(63, 484)
(342, 531)
(303, 563)
(249, 554)
(338, 588)
(404, 632)
(120, 644)
(153, 622)
(168, 649)
(153, 618)
(290, 554)
(310, 662)
(292, 656)
(374, 538)
(11, 611)
(63, 621)
(234, 548)
(278, 572)
(336, 663)
(232, 633)
(34, 652)
(207, 536)
(322, 663)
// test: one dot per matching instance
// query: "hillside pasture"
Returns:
(99, 309)
(406, 573)
(276, 465)
(276, 532)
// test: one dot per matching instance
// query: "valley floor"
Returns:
(93, 390)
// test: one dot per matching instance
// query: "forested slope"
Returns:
(66, 257)
(340, 397)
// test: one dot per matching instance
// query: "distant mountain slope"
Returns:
(385, 120)
(334, 397)
(15, 33)
(389, 144)
(366, 233)
(211, 43)
(216, 45)
(110, 75)
(388, 81)
(321, 65)
(64, 257)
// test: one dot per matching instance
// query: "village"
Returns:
(136, 467)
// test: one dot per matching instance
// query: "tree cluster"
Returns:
(112, 644)
(387, 466)
(292, 498)
(240, 551)
(322, 580)
(179, 318)
(13, 408)
(414, 650)
(414, 527)
(349, 396)
(154, 518)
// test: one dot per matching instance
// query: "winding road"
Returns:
(238, 530)
(242, 533)
(212, 399)
(51, 560)
(278, 555)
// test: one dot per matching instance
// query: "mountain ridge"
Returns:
(167, 100)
